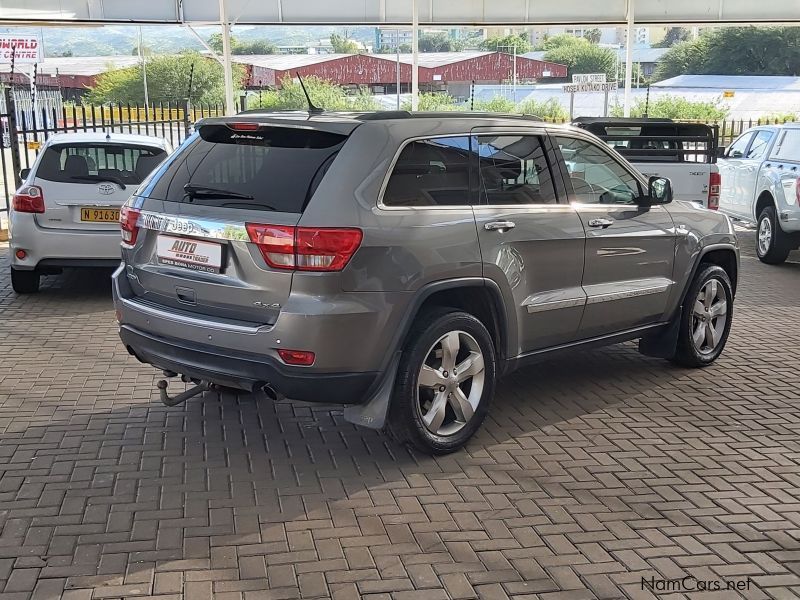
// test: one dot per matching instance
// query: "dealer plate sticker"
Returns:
(189, 254)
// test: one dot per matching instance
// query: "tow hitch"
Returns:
(167, 400)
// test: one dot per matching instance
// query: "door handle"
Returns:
(500, 226)
(604, 223)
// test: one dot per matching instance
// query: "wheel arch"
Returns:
(477, 296)
(764, 200)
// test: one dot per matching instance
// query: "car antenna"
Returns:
(312, 110)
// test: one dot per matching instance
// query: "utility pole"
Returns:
(144, 71)
(629, 58)
(414, 56)
(398, 76)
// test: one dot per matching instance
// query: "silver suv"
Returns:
(400, 263)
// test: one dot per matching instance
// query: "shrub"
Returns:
(549, 110)
(674, 107)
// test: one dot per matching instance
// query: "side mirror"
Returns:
(659, 190)
(736, 154)
(23, 174)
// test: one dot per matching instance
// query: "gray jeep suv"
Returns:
(399, 263)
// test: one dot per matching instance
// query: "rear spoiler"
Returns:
(688, 142)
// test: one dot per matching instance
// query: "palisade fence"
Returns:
(25, 125)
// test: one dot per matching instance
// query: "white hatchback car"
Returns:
(66, 212)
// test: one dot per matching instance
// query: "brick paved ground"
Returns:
(591, 472)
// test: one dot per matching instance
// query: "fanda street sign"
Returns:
(25, 49)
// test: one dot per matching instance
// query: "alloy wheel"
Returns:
(450, 383)
(764, 236)
(709, 317)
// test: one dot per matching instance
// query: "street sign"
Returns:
(574, 88)
(23, 49)
(589, 78)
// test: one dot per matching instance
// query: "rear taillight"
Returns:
(305, 248)
(29, 199)
(714, 188)
(129, 223)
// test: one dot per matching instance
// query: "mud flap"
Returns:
(373, 412)
(664, 343)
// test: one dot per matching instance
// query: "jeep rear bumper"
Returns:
(246, 371)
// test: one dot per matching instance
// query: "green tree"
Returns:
(674, 107)
(735, 51)
(324, 94)
(341, 45)
(215, 42)
(167, 81)
(237, 47)
(580, 56)
(675, 35)
(562, 39)
(683, 58)
(255, 47)
(549, 110)
(593, 35)
(405, 48)
(438, 42)
(508, 43)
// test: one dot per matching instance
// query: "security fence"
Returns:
(26, 125)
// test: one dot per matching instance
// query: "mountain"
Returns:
(110, 40)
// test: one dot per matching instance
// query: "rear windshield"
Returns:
(90, 163)
(273, 168)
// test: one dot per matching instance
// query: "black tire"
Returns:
(405, 414)
(780, 243)
(686, 352)
(24, 282)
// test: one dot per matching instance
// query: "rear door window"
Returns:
(432, 172)
(514, 171)
(271, 169)
(92, 163)
(788, 147)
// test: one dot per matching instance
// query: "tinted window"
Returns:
(90, 163)
(273, 168)
(514, 170)
(432, 172)
(789, 145)
(759, 146)
(738, 147)
(596, 177)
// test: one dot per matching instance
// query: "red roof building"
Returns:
(437, 70)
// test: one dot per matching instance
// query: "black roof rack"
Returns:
(385, 115)
(620, 120)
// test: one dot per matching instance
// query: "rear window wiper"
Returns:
(110, 178)
(203, 191)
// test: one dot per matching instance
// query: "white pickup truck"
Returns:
(685, 153)
(760, 173)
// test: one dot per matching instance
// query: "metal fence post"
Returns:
(187, 121)
(13, 137)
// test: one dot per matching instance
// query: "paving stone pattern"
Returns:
(592, 472)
